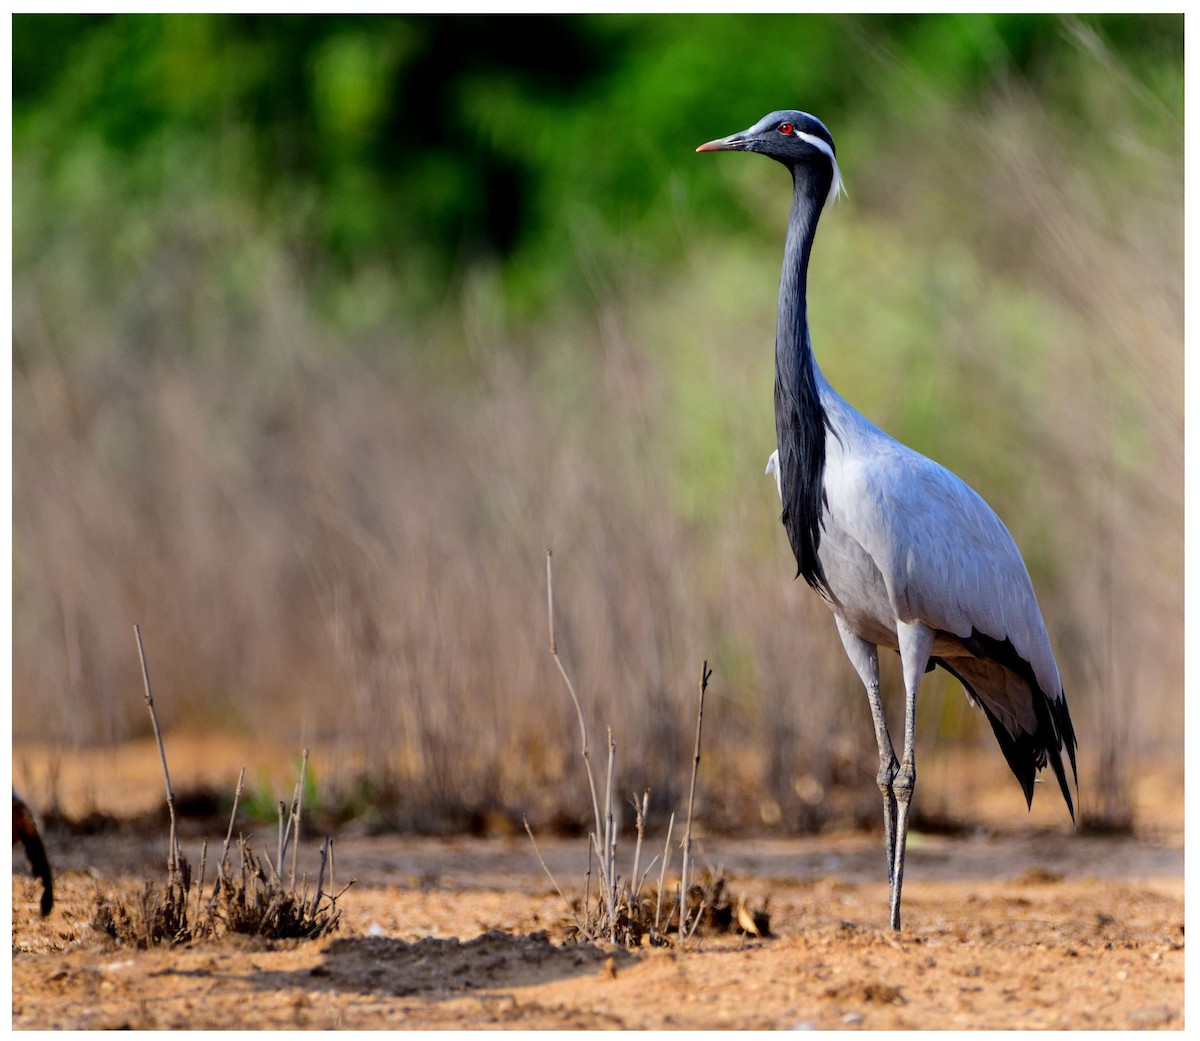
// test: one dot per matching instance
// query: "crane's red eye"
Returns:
(786, 128)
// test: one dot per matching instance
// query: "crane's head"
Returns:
(794, 138)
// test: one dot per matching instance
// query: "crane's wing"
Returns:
(948, 561)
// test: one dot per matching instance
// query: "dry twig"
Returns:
(173, 851)
(705, 674)
(662, 876)
(297, 804)
(553, 881)
(223, 866)
(583, 736)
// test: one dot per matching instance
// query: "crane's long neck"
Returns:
(800, 421)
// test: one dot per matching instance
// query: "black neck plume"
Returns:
(800, 420)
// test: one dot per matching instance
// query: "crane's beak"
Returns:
(733, 143)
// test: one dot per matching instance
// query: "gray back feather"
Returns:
(941, 554)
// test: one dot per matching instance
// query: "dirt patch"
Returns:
(1038, 928)
(1041, 931)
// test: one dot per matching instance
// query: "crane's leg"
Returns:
(865, 659)
(916, 641)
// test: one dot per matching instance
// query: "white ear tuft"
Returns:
(837, 187)
(773, 468)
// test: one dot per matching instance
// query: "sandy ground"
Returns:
(1044, 930)
(1023, 924)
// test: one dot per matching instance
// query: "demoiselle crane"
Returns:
(905, 554)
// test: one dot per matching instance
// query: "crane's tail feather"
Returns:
(1026, 753)
(1060, 721)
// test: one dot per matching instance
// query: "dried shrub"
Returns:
(712, 910)
(625, 912)
(158, 917)
(253, 903)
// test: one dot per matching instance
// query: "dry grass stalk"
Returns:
(224, 864)
(583, 736)
(320, 874)
(662, 875)
(602, 839)
(705, 675)
(550, 875)
(640, 824)
(610, 842)
(277, 867)
(297, 803)
(200, 883)
(173, 850)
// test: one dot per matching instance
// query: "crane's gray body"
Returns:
(905, 540)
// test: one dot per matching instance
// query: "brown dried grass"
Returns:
(248, 902)
(347, 547)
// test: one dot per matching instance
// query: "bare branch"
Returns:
(298, 804)
(553, 882)
(705, 674)
(662, 874)
(610, 842)
(640, 823)
(224, 864)
(277, 867)
(320, 873)
(173, 852)
(200, 884)
(583, 736)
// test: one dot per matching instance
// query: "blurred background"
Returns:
(325, 328)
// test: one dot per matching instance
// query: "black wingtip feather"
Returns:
(1021, 754)
(1027, 753)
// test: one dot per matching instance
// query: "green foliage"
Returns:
(557, 149)
(260, 803)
